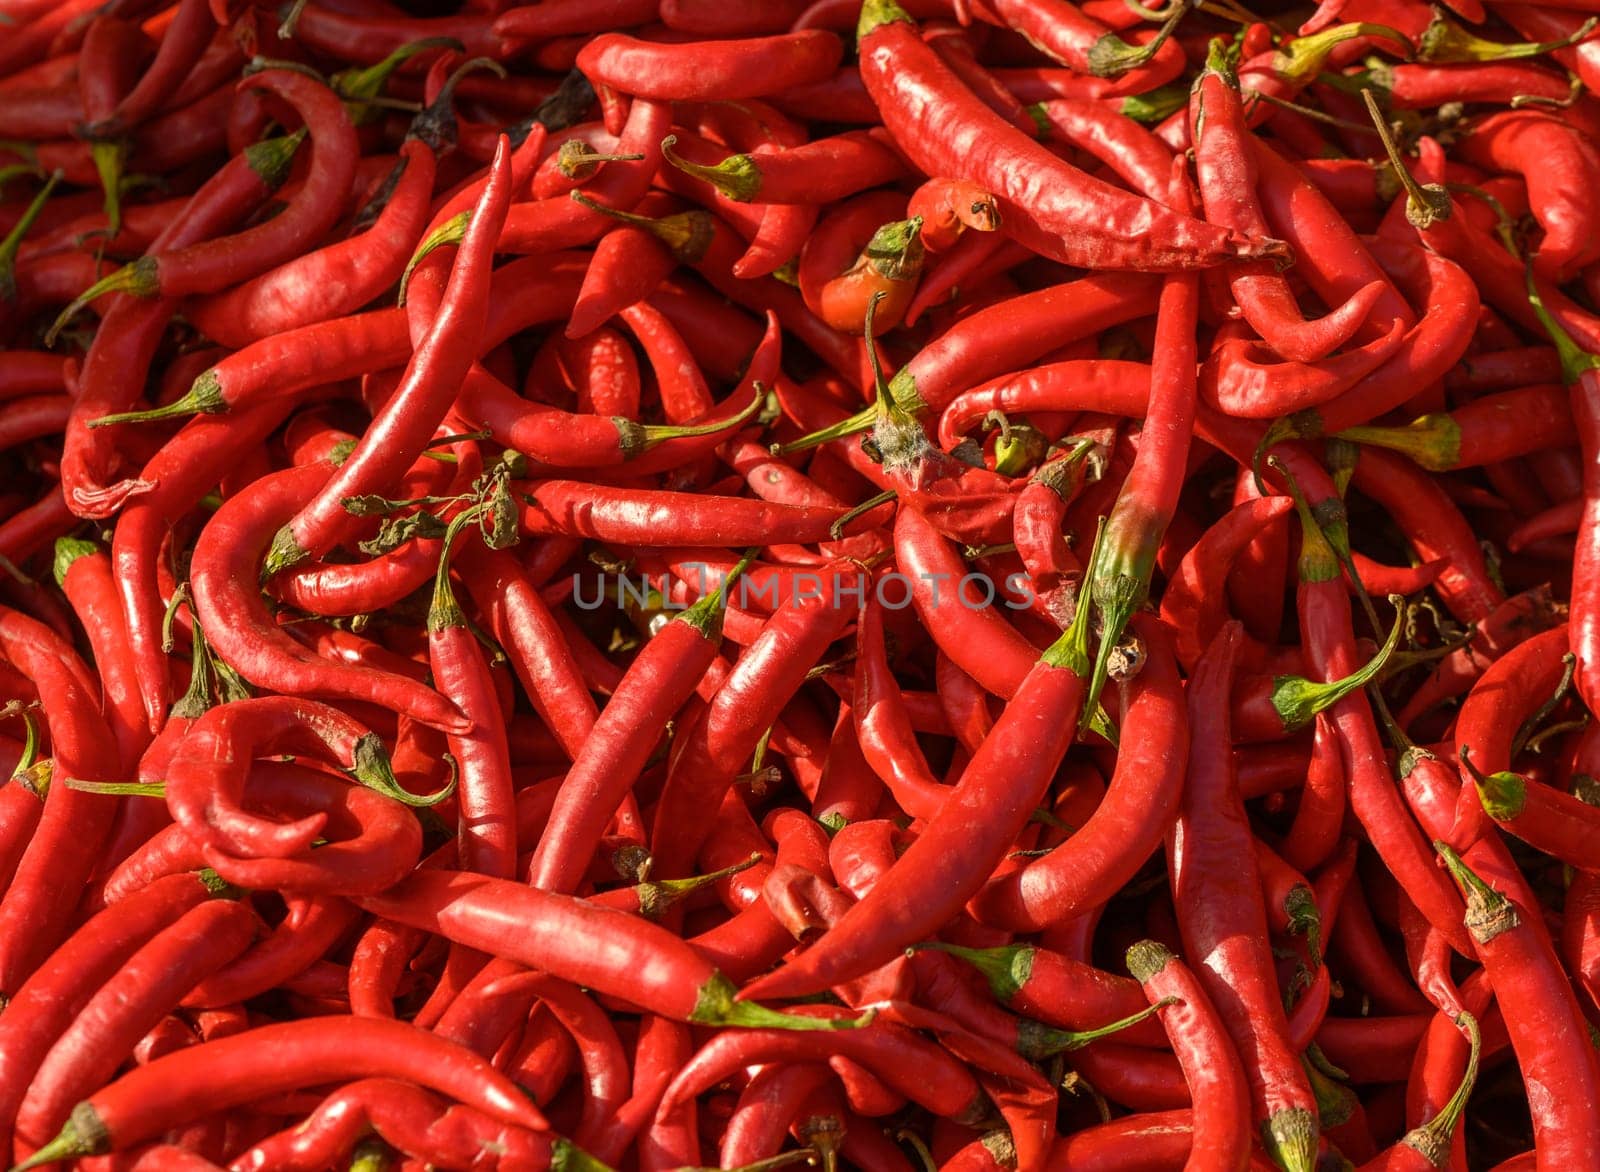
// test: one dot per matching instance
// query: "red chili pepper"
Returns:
(215, 264)
(63, 849)
(717, 71)
(44, 1006)
(149, 984)
(1045, 203)
(121, 351)
(232, 1071)
(643, 962)
(1217, 1081)
(1005, 781)
(407, 422)
(1227, 178)
(312, 925)
(224, 568)
(1067, 35)
(332, 281)
(1541, 1016)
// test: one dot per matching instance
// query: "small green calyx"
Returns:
(705, 616)
(716, 1006)
(1432, 441)
(896, 249)
(1147, 958)
(271, 159)
(1303, 58)
(1504, 794)
(82, 1135)
(1444, 41)
(877, 13)
(1291, 1139)
(566, 1156)
(1007, 968)
(1156, 106)
(370, 766)
(1111, 55)
(452, 231)
(204, 397)
(140, 278)
(1488, 912)
(738, 176)
(69, 550)
(1297, 699)
(1040, 1041)
(285, 551)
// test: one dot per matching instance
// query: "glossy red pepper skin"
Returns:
(332, 281)
(230, 1071)
(448, 341)
(148, 985)
(1128, 825)
(1044, 202)
(47, 1002)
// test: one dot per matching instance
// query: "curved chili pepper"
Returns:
(373, 840)
(1216, 905)
(64, 847)
(697, 71)
(221, 1074)
(994, 340)
(405, 1117)
(554, 933)
(312, 925)
(1005, 780)
(1435, 528)
(83, 571)
(1046, 203)
(406, 423)
(1541, 1016)
(1217, 1081)
(121, 352)
(1127, 826)
(1226, 170)
(213, 265)
(332, 281)
(147, 986)
(745, 705)
(1559, 166)
(225, 565)
(46, 1004)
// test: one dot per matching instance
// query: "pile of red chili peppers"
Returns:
(672, 584)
